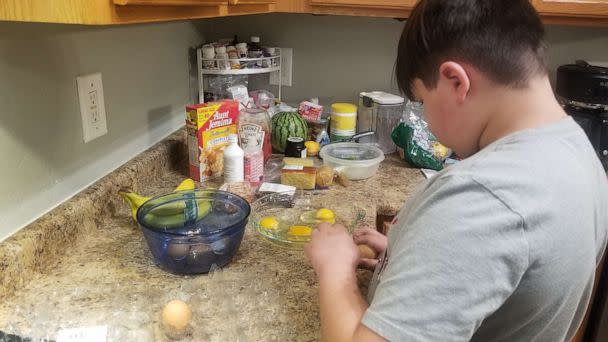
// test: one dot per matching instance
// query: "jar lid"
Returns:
(381, 97)
(343, 108)
(295, 139)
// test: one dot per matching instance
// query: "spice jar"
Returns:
(208, 56)
(295, 148)
(222, 58)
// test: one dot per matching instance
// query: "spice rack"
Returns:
(268, 65)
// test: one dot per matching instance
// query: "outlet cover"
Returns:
(286, 68)
(92, 106)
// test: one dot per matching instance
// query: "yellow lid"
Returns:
(343, 108)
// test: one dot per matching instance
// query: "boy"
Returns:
(503, 245)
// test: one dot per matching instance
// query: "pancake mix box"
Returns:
(208, 126)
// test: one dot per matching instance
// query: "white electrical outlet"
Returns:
(92, 106)
(286, 68)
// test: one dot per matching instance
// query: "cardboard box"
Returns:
(208, 126)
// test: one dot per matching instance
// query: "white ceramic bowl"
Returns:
(356, 161)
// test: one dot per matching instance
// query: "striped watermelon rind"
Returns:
(286, 125)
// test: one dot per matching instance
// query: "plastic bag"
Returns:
(263, 98)
(415, 143)
(218, 85)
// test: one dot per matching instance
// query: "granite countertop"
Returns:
(86, 263)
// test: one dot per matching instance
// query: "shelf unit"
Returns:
(272, 65)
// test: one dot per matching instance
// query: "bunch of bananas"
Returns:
(172, 214)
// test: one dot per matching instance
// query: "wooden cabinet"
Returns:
(574, 12)
(104, 12)
(170, 2)
(564, 8)
(368, 8)
(389, 4)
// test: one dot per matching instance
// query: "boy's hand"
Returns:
(375, 240)
(332, 251)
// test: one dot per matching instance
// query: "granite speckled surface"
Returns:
(86, 263)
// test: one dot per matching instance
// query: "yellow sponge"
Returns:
(302, 177)
(299, 161)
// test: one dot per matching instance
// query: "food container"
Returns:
(188, 232)
(288, 218)
(208, 126)
(379, 112)
(343, 121)
(356, 161)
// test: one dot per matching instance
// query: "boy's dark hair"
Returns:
(504, 39)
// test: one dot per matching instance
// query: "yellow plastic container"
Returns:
(343, 121)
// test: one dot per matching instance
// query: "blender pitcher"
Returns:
(379, 112)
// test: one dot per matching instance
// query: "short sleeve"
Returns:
(457, 256)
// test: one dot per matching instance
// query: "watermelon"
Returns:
(286, 125)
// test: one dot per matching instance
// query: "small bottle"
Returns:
(208, 56)
(255, 51)
(270, 52)
(222, 58)
(242, 50)
(233, 57)
(295, 148)
(233, 161)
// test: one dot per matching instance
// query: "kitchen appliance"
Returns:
(189, 232)
(379, 112)
(583, 91)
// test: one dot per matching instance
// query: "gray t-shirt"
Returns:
(499, 247)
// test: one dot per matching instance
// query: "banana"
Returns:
(186, 184)
(162, 221)
(135, 200)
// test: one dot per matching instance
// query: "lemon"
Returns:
(269, 222)
(440, 151)
(300, 231)
(312, 148)
(325, 215)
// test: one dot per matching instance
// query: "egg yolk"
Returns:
(300, 231)
(326, 215)
(269, 222)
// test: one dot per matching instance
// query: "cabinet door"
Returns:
(171, 2)
(251, 2)
(575, 8)
(385, 4)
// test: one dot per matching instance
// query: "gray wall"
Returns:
(44, 160)
(145, 77)
(335, 58)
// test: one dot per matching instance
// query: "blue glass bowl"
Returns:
(190, 231)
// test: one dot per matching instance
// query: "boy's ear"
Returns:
(457, 79)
